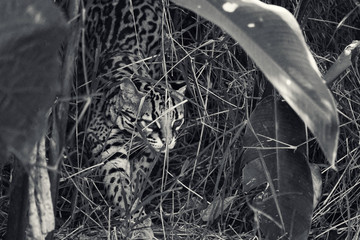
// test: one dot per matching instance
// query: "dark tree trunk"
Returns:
(19, 203)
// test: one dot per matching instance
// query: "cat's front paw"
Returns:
(143, 231)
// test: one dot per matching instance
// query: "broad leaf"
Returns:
(30, 36)
(274, 155)
(272, 38)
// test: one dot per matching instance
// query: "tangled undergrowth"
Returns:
(224, 86)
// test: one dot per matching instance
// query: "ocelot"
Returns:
(135, 115)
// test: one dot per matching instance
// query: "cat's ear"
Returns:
(182, 90)
(129, 91)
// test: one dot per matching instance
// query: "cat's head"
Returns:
(156, 115)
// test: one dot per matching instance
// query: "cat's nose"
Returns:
(166, 140)
(169, 142)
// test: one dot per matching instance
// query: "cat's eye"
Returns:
(149, 125)
(145, 123)
(178, 123)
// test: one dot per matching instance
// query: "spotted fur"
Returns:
(134, 114)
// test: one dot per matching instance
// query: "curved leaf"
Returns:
(274, 143)
(216, 208)
(30, 37)
(348, 57)
(272, 38)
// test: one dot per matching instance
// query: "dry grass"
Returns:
(205, 165)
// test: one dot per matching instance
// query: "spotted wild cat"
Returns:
(134, 113)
